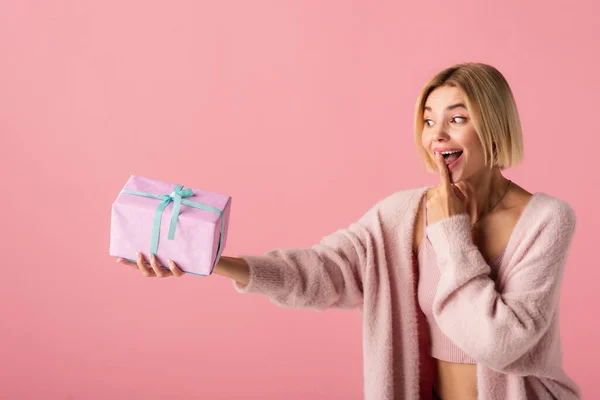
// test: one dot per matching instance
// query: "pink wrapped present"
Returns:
(188, 226)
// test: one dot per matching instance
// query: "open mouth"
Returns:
(452, 156)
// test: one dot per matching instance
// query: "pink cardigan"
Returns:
(510, 326)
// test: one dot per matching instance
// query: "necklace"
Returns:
(485, 213)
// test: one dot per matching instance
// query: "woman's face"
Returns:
(447, 127)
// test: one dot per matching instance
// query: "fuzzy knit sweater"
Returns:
(509, 325)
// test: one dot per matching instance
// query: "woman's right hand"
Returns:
(152, 269)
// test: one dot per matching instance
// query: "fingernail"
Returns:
(170, 261)
(118, 260)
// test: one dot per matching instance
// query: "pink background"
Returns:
(302, 112)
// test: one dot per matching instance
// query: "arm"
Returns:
(326, 275)
(234, 268)
(498, 328)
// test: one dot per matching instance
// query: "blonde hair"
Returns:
(492, 108)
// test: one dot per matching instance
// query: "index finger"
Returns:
(125, 261)
(444, 173)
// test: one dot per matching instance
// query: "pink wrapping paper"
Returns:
(196, 242)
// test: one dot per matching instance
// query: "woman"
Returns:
(458, 284)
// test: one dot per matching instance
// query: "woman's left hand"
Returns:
(447, 199)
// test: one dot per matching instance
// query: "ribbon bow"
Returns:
(176, 195)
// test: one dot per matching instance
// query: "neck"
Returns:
(487, 188)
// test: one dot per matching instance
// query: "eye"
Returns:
(461, 118)
(428, 122)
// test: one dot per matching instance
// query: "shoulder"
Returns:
(401, 201)
(549, 220)
(395, 208)
(551, 210)
(538, 208)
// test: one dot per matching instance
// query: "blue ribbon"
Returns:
(178, 197)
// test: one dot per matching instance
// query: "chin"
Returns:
(456, 177)
(453, 175)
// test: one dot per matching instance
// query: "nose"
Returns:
(439, 133)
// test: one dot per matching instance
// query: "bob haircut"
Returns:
(491, 107)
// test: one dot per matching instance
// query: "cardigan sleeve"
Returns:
(326, 275)
(498, 328)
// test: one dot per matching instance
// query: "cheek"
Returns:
(475, 145)
(425, 140)
(471, 141)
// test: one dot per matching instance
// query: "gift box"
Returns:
(186, 225)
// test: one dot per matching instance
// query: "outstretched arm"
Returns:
(326, 275)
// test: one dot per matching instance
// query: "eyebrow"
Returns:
(452, 107)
